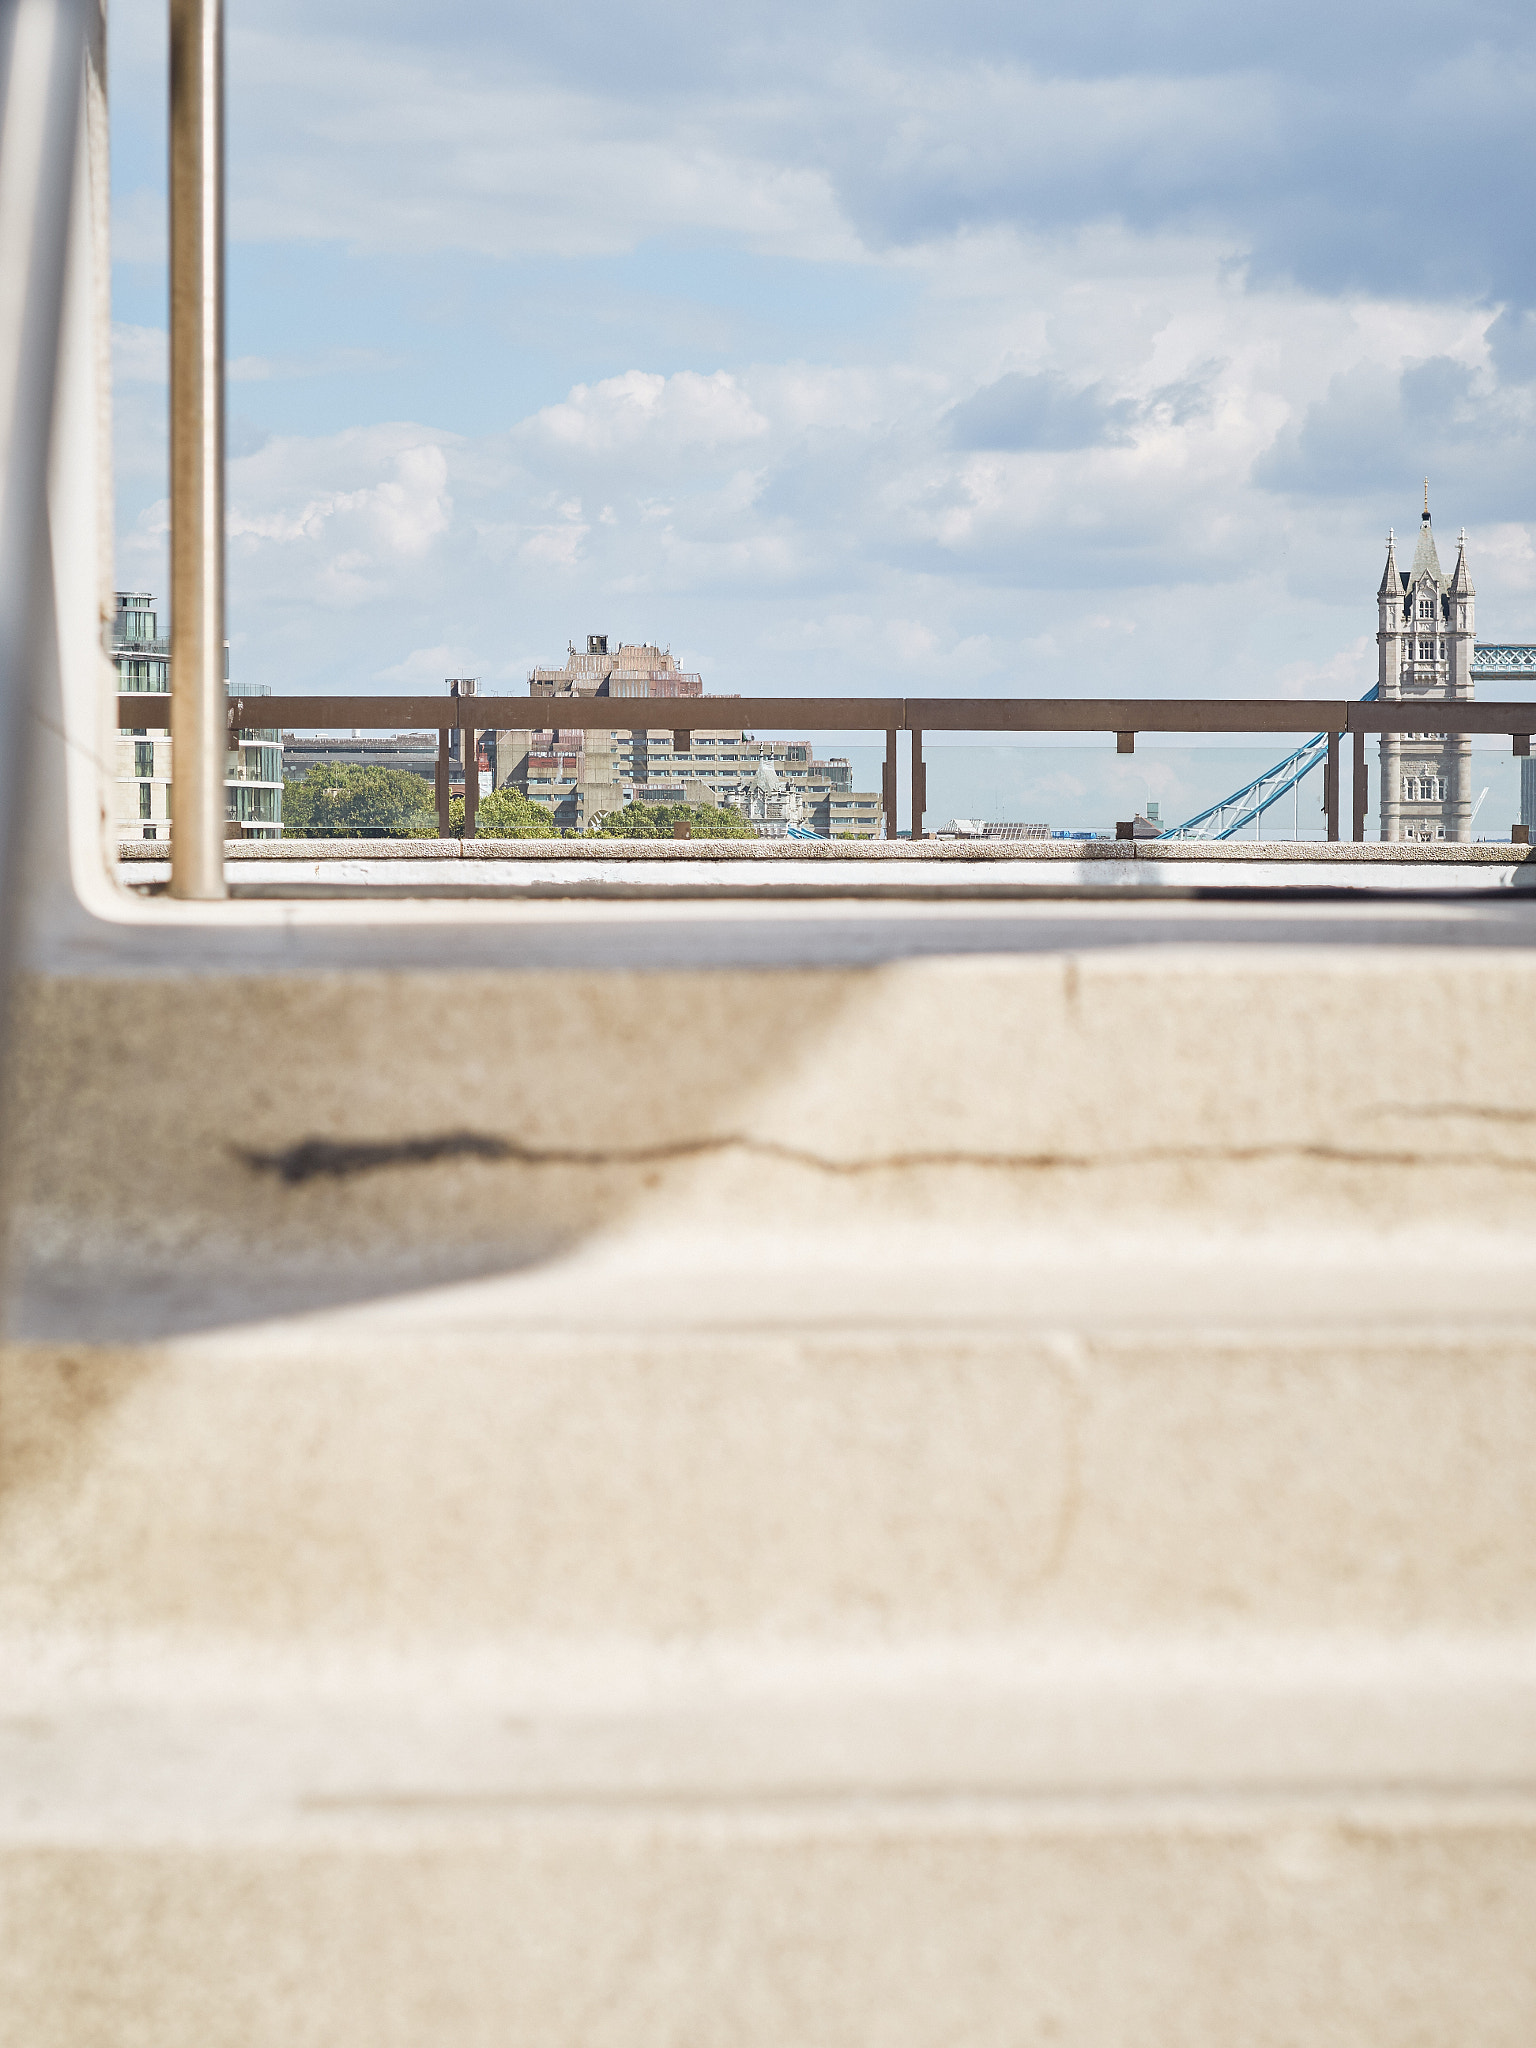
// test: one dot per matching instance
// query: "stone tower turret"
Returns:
(1425, 635)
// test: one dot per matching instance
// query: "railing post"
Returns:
(471, 752)
(919, 783)
(1361, 788)
(443, 791)
(198, 722)
(888, 785)
(1331, 786)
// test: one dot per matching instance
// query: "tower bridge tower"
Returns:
(1426, 630)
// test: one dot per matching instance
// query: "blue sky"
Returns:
(849, 347)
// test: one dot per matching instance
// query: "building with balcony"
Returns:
(579, 776)
(253, 773)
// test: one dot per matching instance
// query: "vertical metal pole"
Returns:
(1362, 788)
(197, 449)
(471, 752)
(888, 785)
(443, 798)
(919, 784)
(1331, 786)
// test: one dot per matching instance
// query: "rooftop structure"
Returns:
(631, 670)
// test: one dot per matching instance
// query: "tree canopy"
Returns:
(336, 801)
(655, 821)
(507, 814)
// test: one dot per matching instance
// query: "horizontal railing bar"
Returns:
(248, 714)
(1421, 715)
(539, 714)
(151, 709)
(1126, 714)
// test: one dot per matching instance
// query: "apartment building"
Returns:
(580, 776)
(253, 773)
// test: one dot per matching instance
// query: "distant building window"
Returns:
(151, 832)
(144, 757)
(146, 799)
(1426, 608)
(1426, 650)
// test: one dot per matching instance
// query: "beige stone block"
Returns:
(881, 1931)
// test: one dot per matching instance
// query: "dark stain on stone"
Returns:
(338, 1159)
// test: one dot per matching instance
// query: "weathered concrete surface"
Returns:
(758, 870)
(905, 854)
(979, 1499)
(1128, 1654)
(1248, 1088)
(881, 1928)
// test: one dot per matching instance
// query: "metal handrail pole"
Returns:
(198, 716)
(888, 785)
(442, 791)
(919, 783)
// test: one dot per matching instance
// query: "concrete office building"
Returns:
(579, 776)
(253, 775)
(1426, 632)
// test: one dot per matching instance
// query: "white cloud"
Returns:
(816, 522)
(140, 355)
(686, 410)
(1106, 238)
(343, 543)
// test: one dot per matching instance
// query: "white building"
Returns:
(253, 773)
(1426, 630)
(770, 805)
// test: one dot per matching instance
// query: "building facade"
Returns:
(253, 770)
(1425, 638)
(579, 776)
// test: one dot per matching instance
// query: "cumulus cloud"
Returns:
(1092, 346)
(351, 541)
(1038, 412)
(683, 411)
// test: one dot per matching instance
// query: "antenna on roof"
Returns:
(1426, 497)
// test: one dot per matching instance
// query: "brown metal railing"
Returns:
(683, 716)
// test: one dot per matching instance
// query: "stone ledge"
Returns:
(901, 851)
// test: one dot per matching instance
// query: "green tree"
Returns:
(506, 814)
(367, 802)
(655, 821)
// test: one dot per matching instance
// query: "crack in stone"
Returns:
(339, 1159)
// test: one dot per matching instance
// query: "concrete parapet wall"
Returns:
(137, 852)
(170, 1114)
